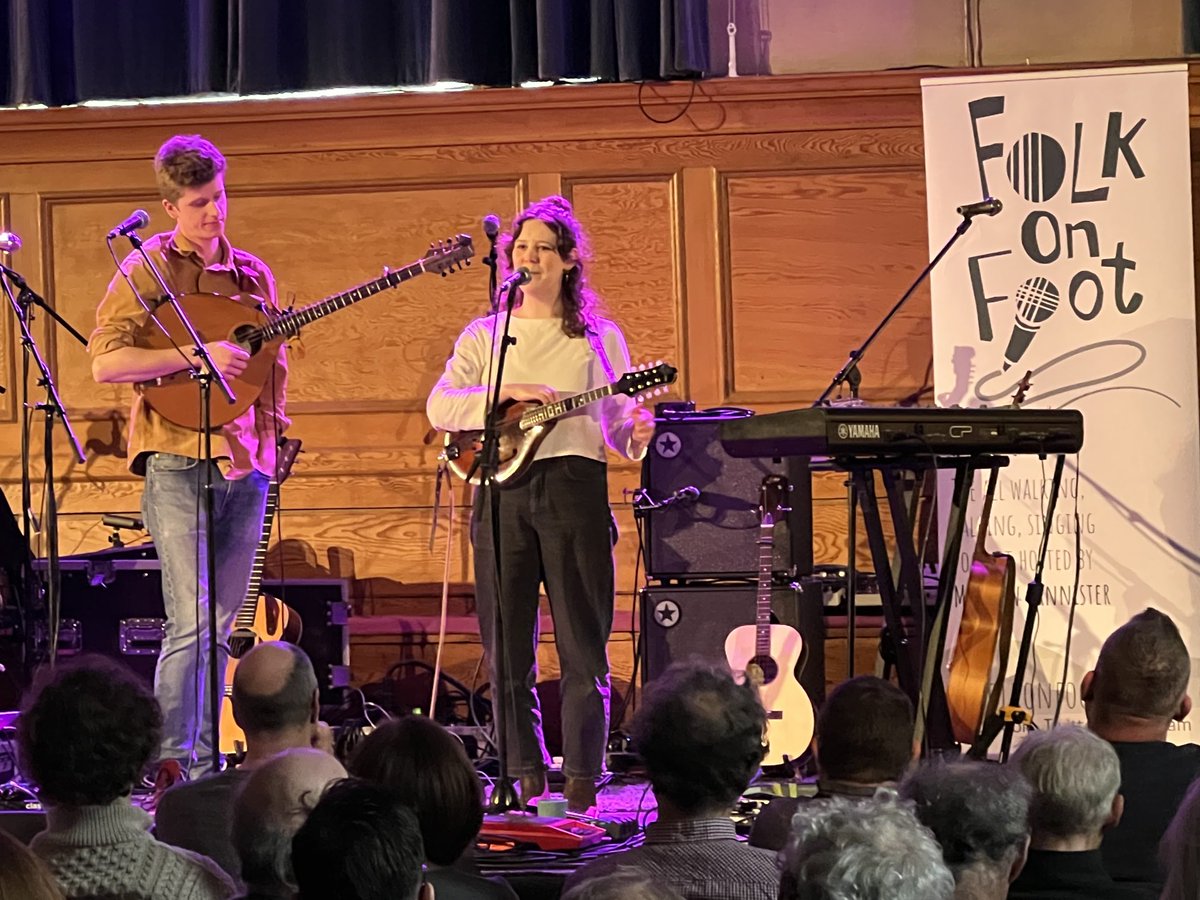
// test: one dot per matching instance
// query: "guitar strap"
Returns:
(598, 349)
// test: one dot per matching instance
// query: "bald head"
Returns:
(274, 690)
(272, 805)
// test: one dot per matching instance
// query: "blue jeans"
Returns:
(173, 507)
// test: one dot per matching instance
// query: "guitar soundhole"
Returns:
(243, 336)
(766, 667)
(241, 641)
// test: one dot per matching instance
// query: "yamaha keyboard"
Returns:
(908, 431)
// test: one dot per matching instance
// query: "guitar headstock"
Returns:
(285, 457)
(773, 499)
(1022, 389)
(644, 381)
(449, 255)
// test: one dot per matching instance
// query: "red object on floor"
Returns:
(541, 831)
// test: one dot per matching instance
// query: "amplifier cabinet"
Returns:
(700, 506)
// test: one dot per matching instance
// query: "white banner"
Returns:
(1086, 279)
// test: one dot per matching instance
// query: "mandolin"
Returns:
(175, 397)
(985, 630)
(769, 653)
(261, 616)
(525, 424)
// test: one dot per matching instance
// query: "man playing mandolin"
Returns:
(555, 522)
(194, 258)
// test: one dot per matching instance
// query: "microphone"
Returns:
(1037, 299)
(491, 226)
(138, 219)
(687, 494)
(517, 278)
(989, 206)
(9, 242)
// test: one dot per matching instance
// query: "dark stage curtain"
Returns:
(68, 51)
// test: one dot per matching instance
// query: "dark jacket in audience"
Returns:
(1063, 875)
(195, 815)
(1155, 776)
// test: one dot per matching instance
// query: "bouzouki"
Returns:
(985, 631)
(769, 653)
(216, 318)
(261, 617)
(525, 424)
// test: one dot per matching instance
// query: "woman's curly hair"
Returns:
(580, 303)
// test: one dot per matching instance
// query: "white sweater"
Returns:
(543, 354)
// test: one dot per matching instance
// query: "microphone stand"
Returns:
(205, 375)
(504, 795)
(52, 406)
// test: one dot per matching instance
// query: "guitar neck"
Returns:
(766, 566)
(290, 323)
(986, 515)
(548, 411)
(245, 616)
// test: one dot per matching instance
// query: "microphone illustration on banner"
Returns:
(1037, 299)
(138, 219)
(9, 242)
(989, 206)
(517, 278)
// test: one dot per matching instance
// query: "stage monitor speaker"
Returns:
(700, 505)
(692, 621)
(112, 604)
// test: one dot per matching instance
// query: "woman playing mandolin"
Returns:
(555, 523)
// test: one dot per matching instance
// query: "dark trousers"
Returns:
(555, 529)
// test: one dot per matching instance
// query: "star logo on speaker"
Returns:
(666, 613)
(667, 445)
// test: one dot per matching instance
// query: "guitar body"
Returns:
(790, 718)
(176, 397)
(517, 445)
(986, 620)
(273, 621)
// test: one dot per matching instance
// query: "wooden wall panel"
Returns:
(816, 259)
(751, 231)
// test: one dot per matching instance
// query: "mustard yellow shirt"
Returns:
(248, 442)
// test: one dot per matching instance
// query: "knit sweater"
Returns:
(105, 850)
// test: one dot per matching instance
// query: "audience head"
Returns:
(865, 732)
(22, 875)
(843, 849)
(428, 767)
(1140, 681)
(979, 813)
(1180, 849)
(271, 806)
(700, 734)
(360, 842)
(624, 883)
(275, 695)
(1076, 777)
(87, 730)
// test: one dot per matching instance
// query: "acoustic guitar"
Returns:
(769, 653)
(216, 318)
(261, 616)
(525, 424)
(973, 693)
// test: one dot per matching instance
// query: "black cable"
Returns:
(687, 104)
(1062, 685)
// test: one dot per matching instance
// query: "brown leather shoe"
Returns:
(532, 787)
(580, 794)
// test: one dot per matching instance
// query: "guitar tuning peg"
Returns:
(386, 270)
(659, 363)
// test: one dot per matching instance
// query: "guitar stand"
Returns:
(917, 651)
(1012, 715)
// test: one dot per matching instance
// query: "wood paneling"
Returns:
(753, 240)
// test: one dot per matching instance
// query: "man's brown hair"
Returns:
(1143, 668)
(186, 161)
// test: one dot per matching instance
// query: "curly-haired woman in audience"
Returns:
(87, 730)
(428, 767)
